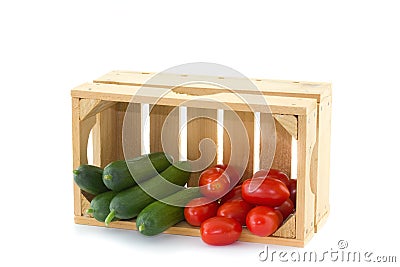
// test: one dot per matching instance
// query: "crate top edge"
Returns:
(303, 89)
(151, 95)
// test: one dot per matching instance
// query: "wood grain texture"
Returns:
(80, 136)
(253, 103)
(183, 228)
(90, 107)
(315, 90)
(320, 163)
(201, 125)
(289, 122)
(164, 130)
(132, 132)
(283, 150)
(288, 228)
(239, 141)
(305, 197)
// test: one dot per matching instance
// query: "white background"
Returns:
(48, 47)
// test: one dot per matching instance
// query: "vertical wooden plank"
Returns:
(132, 132)
(164, 130)
(283, 150)
(239, 137)
(202, 123)
(268, 144)
(320, 168)
(80, 135)
(305, 197)
(120, 111)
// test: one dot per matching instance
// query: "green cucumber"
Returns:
(121, 174)
(89, 179)
(100, 206)
(159, 216)
(128, 203)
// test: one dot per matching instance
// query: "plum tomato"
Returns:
(286, 208)
(220, 231)
(236, 209)
(262, 221)
(235, 193)
(200, 209)
(266, 192)
(214, 183)
(293, 191)
(273, 173)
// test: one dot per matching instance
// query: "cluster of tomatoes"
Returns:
(261, 204)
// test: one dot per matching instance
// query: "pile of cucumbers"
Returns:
(138, 188)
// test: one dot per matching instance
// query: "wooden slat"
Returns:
(283, 150)
(183, 228)
(289, 122)
(164, 121)
(80, 136)
(320, 163)
(315, 90)
(132, 131)
(267, 141)
(253, 103)
(201, 124)
(288, 228)
(305, 197)
(239, 141)
(90, 107)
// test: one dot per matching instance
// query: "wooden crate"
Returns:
(302, 112)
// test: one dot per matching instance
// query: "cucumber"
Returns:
(89, 179)
(100, 206)
(127, 204)
(121, 174)
(159, 216)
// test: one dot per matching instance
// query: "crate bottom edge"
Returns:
(184, 229)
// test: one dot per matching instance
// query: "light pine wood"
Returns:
(289, 122)
(254, 103)
(80, 136)
(315, 90)
(305, 197)
(132, 132)
(320, 164)
(288, 228)
(239, 130)
(164, 120)
(90, 107)
(183, 228)
(294, 108)
(283, 150)
(201, 125)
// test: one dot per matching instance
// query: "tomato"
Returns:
(235, 193)
(214, 183)
(262, 221)
(273, 173)
(268, 192)
(286, 208)
(221, 166)
(279, 215)
(200, 209)
(236, 209)
(220, 231)
(293, 190)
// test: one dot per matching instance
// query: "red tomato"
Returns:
(221, 166)
(214, 183)
(200, 209)
(286, 208)
(236, 209)
(293, 190)
(235, 193)
(268, 192)
(279, 215)
(220, 231)
(262, 221)
(273, 173)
